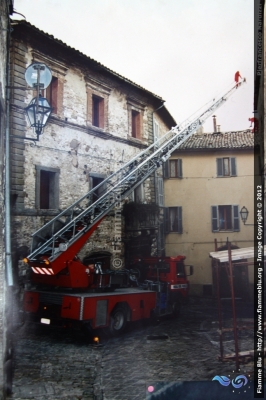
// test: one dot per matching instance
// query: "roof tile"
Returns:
(228, 140)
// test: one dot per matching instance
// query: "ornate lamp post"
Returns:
(244, 214)
(38, 112)
(38, 76)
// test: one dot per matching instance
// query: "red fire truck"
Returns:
(152, 287)
(65, 289)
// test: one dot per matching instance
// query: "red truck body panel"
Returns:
(94, 307)
(163, 287)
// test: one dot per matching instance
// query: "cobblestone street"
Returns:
(54, 364)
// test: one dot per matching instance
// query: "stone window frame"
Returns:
(99, 176)
(97, 89)
(54, 193)
(135, 106)
(59, 72)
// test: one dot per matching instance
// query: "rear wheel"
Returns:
(117, 321)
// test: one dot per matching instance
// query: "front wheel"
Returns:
(117, 321)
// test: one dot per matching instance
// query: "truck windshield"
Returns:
(180, 269)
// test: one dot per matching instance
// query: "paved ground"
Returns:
(63, 365)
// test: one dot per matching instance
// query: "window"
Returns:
(95, 180)
(138, 194)
(47, 188)
(173, 219)
(225, 218)
(97, 103)
(155, 132)
(54, 93)
(136, 109)
(226, 166)
(98, 111)
(135, 124)
(173, 169)
(51, 94)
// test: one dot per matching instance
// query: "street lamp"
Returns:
(244, 215)
(38, 112)
(38, 76)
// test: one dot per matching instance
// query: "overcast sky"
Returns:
(186, 51)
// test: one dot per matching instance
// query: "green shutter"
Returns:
(179, 213)
(219, 165)
(166, 220)
(233, 166)
(235, 219)
(160, 193)
(214, 211)
(166, 169)
(179, 168)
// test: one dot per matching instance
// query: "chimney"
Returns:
(214, 123)
(218, 128)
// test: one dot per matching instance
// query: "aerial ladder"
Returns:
(55, 246)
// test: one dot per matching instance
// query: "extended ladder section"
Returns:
(83, 216)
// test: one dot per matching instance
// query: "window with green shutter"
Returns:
(173, 219)
(173, 169)
(225, 166)
(225, 218)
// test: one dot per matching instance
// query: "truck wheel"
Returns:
(176, 307)
(117, 321)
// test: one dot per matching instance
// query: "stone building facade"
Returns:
(207, 182)
(99, 121)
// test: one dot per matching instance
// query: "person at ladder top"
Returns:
(237, 76)
(256, 124)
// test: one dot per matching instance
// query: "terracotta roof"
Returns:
(226, 140)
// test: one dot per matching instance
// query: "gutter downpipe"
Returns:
(155, 173)
(8, 283)
(9, 274)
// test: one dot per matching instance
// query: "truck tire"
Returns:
(118, 321)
